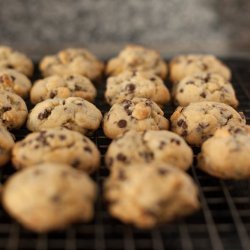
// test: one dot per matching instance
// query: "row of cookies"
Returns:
(54, 162)
(146, 186)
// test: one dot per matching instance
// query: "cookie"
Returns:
(49, 196)
(149, 147)
(149, 194)
(135, 57)
(13, 110)
(14, 81)
(136, 84)
(59, 146)
(6, 144)
(72, 61)
(73, 113)
(186, 65)
(136, 114)
(204, 87)
(226, 154)
(12, 59)
(199, 120)
(62, 87)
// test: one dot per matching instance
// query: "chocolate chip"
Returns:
(152, 79)
(176, 141)
(182, 123)
(162, 144)
(62, 137)
(130, 87)
(70, 78)
(78, 88)
(189, 82)
(121, 175)
(13, 78)
(148, 156)
(126, 105)
(63, 102)
(9, 66)
(184, 133)
(181, 90)
(122, 124)
(121, 157)
(87, 149)
(203, 95)
(5, 109)
(53, 94)
(148, 102)
(75, 163)
(162, 171)
(46, 113)
(55, 198)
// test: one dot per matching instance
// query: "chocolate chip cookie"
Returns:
(186, 65)
(72, 61)
(62, 87)
(14, 81)
(136, 84)
(13, 110)
(198, 121)
(150, 194)
(6, 144)
(136, 114)
(149, 147)
(226, 154)
(12, 59)
(135, 57)
(59, 146)
(49, 196)
(204, 87)
(73, 113)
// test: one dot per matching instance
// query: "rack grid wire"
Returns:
(222, 223)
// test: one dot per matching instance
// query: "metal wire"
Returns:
(222, 223)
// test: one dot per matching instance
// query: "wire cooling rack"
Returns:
(222, 223)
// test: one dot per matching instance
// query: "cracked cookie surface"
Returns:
(62, 87)
(135, 57)
(49, 196)
(73, 113)
(149, 147)
(186, 65)
(150, 194)
(226, 154)
(13, 110)
(72, 61)
(136, 84)
(204, 87)
(198, 121)
(138, 114)
(12, 80)
(12, 59)
(58, 146)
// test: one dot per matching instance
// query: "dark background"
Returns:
(171, 26)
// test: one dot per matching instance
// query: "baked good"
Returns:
(135, 57)
(149, 147)
(49, 196)
(73, 113)
(150, 194)
(12, 59)
(199, 120)
(13, 110)
(131, 84)
(58, 146)
(14, 81)
(186, 65)
(62, 87)
(6, 144)
(226, 154)
(72, 61)
(136, 114)
(204, 87)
